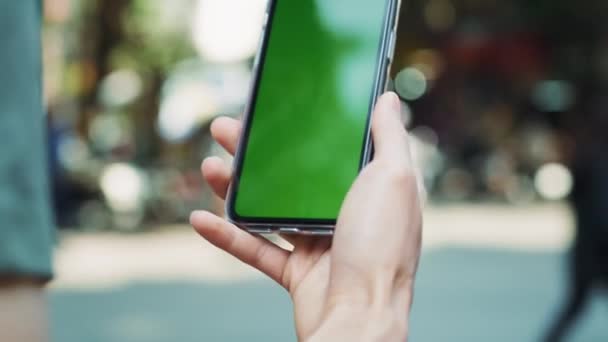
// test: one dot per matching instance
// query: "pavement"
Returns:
(488, 273)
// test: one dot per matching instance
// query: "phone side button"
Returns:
(391, 48)
(260, 230)
(290, 230)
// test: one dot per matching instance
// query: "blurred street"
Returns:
(489, 273)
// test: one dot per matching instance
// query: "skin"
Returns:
(23, 315)
(360, 285)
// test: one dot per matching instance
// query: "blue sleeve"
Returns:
(26, 227)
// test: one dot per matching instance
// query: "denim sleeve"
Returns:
(26, 227)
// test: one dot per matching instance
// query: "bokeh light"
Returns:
(228, 31)
(429, 62)
(194, 94)
(120, 88)
(109, 131)
(73, 153)
(553, 181)
(411, 84)
(183, 110)
(124, 187)
(554, 96)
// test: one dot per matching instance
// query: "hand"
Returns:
(358, 287)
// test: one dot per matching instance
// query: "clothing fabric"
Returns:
(26, 232)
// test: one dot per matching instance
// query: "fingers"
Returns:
(391, 142)
(226, 132)
(217, 174)
(256, 252)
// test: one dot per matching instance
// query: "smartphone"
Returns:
(320, 68)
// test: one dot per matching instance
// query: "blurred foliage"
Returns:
(153, 40)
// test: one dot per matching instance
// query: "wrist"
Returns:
(380, 313)
(354, 323)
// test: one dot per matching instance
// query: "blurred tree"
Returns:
(156, 40)
(140, 36)
(102, 31)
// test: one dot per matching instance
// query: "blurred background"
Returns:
(506, 101)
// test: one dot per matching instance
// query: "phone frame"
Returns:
(307, 226)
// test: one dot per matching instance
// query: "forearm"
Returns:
(23, 311)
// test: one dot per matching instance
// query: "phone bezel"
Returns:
(300, 225)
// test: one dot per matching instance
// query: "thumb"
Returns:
(391, 141)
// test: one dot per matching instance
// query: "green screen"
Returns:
(309, 120)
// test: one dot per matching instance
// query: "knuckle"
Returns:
(260, 254)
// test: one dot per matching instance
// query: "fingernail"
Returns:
(395, 102)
